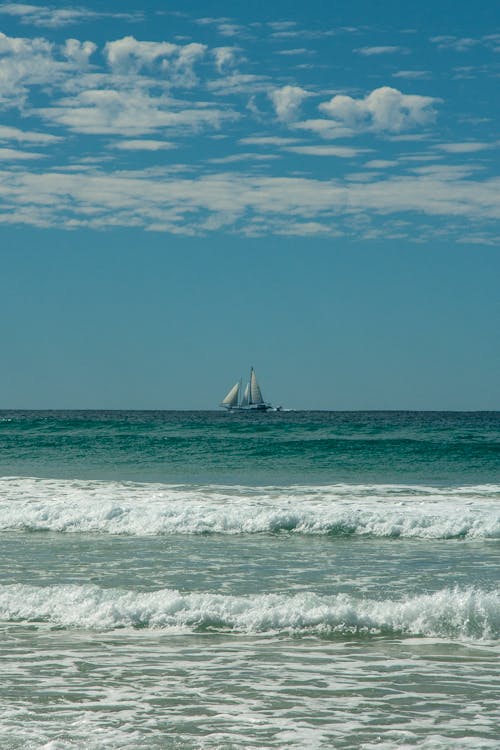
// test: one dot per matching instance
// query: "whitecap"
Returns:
(393, 511)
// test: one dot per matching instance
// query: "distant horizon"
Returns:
(285, 410)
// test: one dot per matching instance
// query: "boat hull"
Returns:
(251, 407)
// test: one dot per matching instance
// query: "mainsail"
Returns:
(232, 397)
(246, 396)
(255, 392)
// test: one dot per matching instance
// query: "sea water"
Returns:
(279, 580)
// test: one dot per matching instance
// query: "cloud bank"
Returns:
(155, 133)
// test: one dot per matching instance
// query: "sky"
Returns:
(190, 189)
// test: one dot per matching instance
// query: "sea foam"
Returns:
(393, 511)
(471, 614)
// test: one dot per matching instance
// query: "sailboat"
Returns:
(249, 400)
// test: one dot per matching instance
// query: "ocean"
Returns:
(222, 581)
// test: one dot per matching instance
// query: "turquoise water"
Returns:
(299, 447)
(282, 580)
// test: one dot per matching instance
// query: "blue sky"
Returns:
(192, 189)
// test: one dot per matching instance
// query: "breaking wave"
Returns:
(450, 613)
(28, 504)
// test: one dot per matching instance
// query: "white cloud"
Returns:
(305, 229)
(143, 145)
(128, 55)
(225, 26)
(233, 158)
(282, 25)
(26, 136)
(25, 63)
(155, 199)
(446, 172)
(268, 140)
(211, 21)
(325, 128)
(287, 101)
(184, 64)
(387, 50)
(297, 51)
(129, 113)
(128, 92)
(12, 154)
(238, 83)
(21, 46)
(458, 44)
(384, 109)
(466, 147)
(416, 75)
(225, 57)
(42, 15)
(79, 52)
(343, 152)
(407, 137)
(230, 29)
(381, 163)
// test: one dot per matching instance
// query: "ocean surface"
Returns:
(282, 580)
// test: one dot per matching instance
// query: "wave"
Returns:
(449, 613)
(393, 511)
(128, 508)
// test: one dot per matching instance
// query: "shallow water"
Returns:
(351, 603)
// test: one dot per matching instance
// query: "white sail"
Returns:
(246, 396)
(232, 397)
(255, 392)
(251, 398)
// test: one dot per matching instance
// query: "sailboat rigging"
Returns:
(250, 399)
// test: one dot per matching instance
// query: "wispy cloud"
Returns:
(248, 156)
(225, 58)
(457, 44)
(27, 136)
(131, 113)
(268, 140)
(143, 145)
(296, 51)
(282, 25)
(416, 75)
(239, 83)
(381, 163)
(12, 154)
(49, 16)
(387, 50)
(342, 152)
(327, 129)
(465, 147)
(236, 200)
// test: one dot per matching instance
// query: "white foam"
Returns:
(469, 613)
(152, 509)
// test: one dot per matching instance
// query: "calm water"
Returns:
(289, 580)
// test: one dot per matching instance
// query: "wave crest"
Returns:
(337, 510)
(450, 613)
